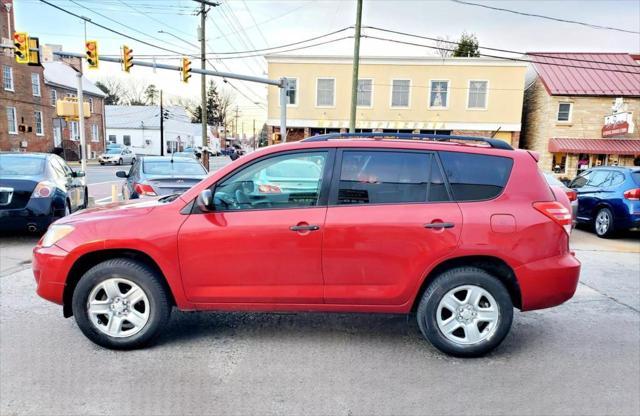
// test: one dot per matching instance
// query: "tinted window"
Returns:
(475, 177)
(368, 177)
(17, 165)
(287, 181)
(172, 168)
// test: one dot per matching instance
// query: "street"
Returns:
(100, 179)
(582, 357)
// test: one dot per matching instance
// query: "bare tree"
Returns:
(445, 46)
(114, 90)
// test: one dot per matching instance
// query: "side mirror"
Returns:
(78, 174)
(122, 174)
(205, 200)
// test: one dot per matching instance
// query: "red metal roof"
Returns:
(591, 74)
(595, 146)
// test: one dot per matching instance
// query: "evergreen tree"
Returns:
(468, 46)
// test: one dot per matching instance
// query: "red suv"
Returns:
(457, 230)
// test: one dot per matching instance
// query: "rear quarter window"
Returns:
(636, 177)
(475, 177)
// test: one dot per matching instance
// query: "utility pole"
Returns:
(161, 126)
(235, 124)
(83, 150)
(356, 65)
(254, 134)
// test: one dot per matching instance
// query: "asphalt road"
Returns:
(581, 358)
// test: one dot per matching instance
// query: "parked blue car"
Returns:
(609, 199)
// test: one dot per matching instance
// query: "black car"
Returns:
(161, 175)
(36, 189)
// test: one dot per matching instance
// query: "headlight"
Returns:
(55, 233)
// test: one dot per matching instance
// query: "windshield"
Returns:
(173, 169)
(18, 165)
(114, 151)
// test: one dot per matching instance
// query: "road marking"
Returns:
(103, 199)
(102, 183)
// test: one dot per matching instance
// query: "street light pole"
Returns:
(203, 84)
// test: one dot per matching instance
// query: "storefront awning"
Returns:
(595, 146)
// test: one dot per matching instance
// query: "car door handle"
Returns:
(438, 225)
(304, 227)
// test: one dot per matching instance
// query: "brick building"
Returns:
(26, 112)
(577, 118)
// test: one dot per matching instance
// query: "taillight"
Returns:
(633, 194)
(43, 190)
(144, 189)
(269, 189)
(572, 195)
(557, 212)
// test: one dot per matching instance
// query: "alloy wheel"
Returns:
(118, 307)
(603, 222)
(467, 315)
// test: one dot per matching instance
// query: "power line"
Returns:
(256, 25)
(502, 57)
(557, 19)
(542, 55)
(153, 18)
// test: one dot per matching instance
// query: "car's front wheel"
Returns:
(465, 312)
(121, 304)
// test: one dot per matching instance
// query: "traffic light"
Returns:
(186, 69)
(91, 48)
(34, 51)
(21, 42)
(127, 58)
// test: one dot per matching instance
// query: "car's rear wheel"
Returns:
(465, 312)
(133, 161)
(603, 223)
(120, 161)
(121, 304)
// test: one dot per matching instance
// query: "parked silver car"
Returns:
(117, 156)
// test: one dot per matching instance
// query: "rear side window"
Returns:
(474, 177)
(636, 177)
(379, 177)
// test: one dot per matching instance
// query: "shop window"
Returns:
(439, 94)
(583, 162)
(400, 89)
(325, 92)
(365, 91)
(559, 163)
(564, 111)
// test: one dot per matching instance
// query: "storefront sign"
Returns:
(617, 125)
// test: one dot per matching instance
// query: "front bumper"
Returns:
(50, 272)
(548, 282)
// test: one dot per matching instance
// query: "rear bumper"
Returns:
(38, 213)
(548, 282)
(50, 271)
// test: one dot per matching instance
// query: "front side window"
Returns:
(383, 177)
(286, 181)
(365, 92)
(477, 94)
(564, 111)
(439, 94)
(292, 91)
(126, 140)
(7, 77)
(38, 123)
(35, 84)
(12, 121)
(400, 92)
(475, 177)
(326, 92)
(54, 97)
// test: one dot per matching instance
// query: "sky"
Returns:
(239, 25)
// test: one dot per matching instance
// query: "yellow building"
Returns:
(458, 96)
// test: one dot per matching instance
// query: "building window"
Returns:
(564, 111)
(75, 130)
(325, 93)
(95, 133)
(7, 77)
(112, 138)
(57, 137)
(126, 140)
(400, 92)
(292, 91)
(365, 91)
(54, 97)
(38, 122)
(559, 163)
(477, 94)
(91, 105)
(35, 84)
(70, 95)
(439, 94)
(12, 120)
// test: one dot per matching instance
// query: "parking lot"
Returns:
(580, 358)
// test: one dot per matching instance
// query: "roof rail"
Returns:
(494, 143)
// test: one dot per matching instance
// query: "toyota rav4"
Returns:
(456, 230)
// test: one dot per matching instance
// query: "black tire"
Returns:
(133, 160)
(443, 284)
(146, 279)
(102, 163)
(601, 229)
(120, 162)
